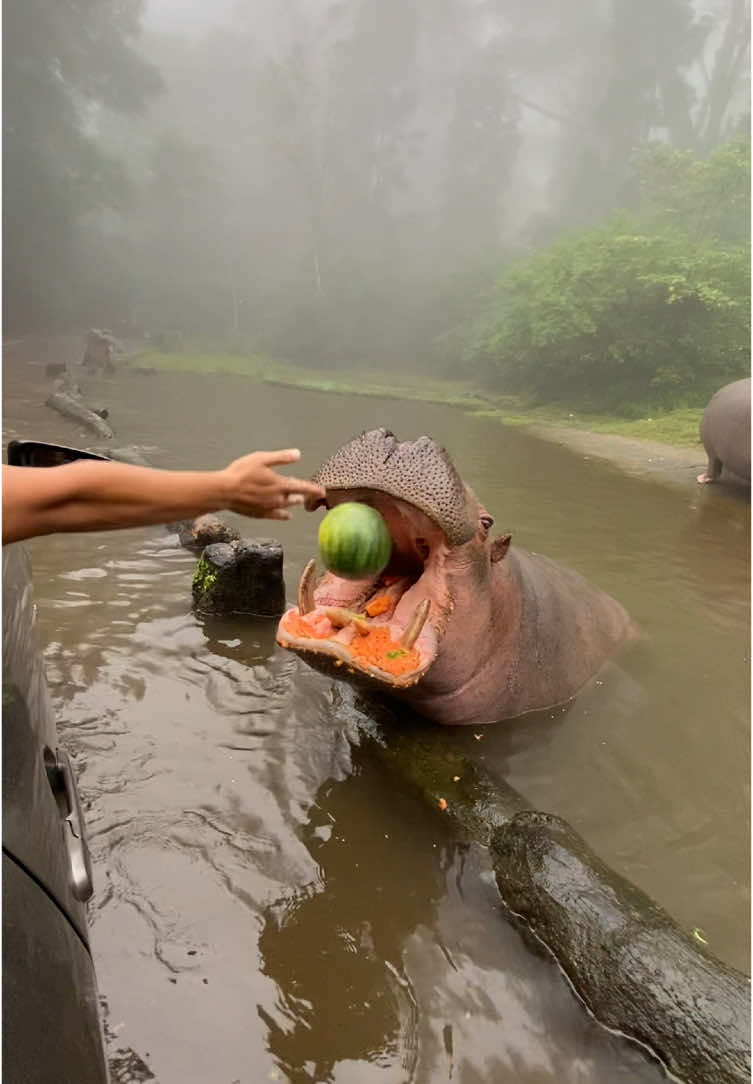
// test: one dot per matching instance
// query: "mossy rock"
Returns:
(243, 577)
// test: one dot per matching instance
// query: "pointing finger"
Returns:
(285, 455)
(298, 485)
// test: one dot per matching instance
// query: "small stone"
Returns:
(204, 531)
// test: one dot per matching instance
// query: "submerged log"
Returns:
(629, 961)
(73, 407)
(634, 967)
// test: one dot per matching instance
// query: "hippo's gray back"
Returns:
(725, 428)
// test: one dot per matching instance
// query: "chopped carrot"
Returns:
(380, 650)
(378, 605)
(299, 626)
(442, 804)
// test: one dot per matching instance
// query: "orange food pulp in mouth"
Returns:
(299, 626)
(376, 647)
(379, 649)
(379, 605)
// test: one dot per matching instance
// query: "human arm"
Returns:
(91, 495)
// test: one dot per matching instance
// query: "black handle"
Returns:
(63, 782)
(36, 453)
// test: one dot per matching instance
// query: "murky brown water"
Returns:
(271, 906)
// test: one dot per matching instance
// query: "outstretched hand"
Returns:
(93, 496)
(253, 488)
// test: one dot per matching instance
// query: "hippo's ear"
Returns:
(500, 547)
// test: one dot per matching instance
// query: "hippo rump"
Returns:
(461, 625)
(725, 432)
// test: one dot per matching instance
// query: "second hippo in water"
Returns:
(725, 432)
(459, 624)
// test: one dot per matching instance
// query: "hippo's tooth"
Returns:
(306, 588)
(341, 618)
(416, 623)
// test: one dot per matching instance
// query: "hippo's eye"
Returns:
(487, 521)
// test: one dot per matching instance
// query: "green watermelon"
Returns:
(354, 541)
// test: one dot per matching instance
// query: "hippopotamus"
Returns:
(472, 629)
(725, 432)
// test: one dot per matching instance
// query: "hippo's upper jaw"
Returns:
(386, 629)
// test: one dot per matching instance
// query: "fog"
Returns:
(336, 184)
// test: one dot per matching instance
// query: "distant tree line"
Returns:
(389, 182)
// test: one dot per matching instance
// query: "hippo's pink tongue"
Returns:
(379, 600)
(332, 591)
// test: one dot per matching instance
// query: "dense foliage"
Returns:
(352, 184)
(331, 183)
(651, 309)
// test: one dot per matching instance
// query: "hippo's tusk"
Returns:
(306, 589)
(417, 622)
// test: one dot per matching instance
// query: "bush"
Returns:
(617, 316)
(650, 310)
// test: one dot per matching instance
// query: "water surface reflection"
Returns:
(263, 906)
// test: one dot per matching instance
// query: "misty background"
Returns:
(546, 199)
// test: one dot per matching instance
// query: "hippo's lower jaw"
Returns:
(385, 629)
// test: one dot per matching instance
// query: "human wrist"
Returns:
(223, 489)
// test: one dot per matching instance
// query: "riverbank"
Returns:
(667, 444)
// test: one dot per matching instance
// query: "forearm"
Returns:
(90, 496)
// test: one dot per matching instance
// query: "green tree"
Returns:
(649, 310)
(707, 198)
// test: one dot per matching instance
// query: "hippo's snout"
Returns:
(418, 472)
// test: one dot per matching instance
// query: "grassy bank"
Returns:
(678, 428)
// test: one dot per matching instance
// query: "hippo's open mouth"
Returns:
(387, 627)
